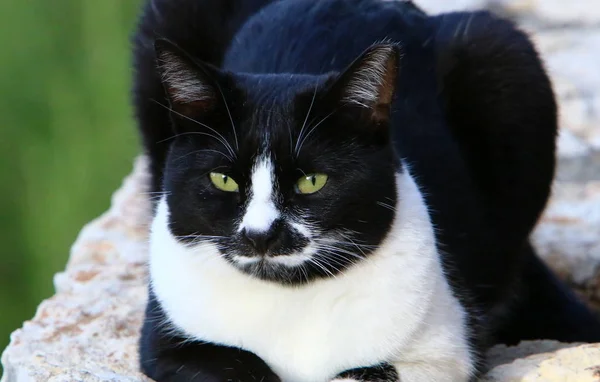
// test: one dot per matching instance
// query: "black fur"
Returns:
(378, 373)
(474, 117)
(204, 29)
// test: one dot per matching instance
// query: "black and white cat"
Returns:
(346, 191)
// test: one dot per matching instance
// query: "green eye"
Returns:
(311, 183)
(223, 182)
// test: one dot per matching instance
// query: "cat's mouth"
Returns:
(280, 249)
(287, 269)
(316, 260)
(285, 260)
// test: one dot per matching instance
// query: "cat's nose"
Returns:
(261, 241)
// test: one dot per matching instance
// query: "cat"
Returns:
(345, 191)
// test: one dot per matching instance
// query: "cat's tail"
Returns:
(544, 307)
(204, 29)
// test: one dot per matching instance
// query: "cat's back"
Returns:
(320, 36)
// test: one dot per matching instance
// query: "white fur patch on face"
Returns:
(291, 261)
(245, 260)
(302, 229)
(295, 259)
(395, 307)
(261, 211)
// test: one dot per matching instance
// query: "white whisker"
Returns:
(385, 205)
(301, 142)
(306, 119)
(205, 150)
(315, 261)
(220, 137)
(237, 146)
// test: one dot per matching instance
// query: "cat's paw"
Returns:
(362, 380)
(379, 373)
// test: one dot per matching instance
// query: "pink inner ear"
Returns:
(185, 85)
(381, 110)
(372, 82)
(194, 107)
(386, 89)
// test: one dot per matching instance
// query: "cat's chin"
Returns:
(283, 269)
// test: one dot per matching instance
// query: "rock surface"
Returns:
(88, 330)
(545, 361)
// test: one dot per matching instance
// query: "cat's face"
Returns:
(291, 177)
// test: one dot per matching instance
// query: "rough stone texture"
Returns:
(88, 330)
(545, 361)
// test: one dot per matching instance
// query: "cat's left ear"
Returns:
(189, 85)
(370, 81)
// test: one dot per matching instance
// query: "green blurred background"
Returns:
(67, 135)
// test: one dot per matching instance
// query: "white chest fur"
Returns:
(378, 310)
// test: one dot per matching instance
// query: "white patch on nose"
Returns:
(261, 211)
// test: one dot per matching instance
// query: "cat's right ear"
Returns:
(369, 82)
(190, 86)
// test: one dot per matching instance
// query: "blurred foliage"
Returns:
(67, 135)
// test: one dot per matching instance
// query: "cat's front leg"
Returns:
(167, 356)
(384, 372)
(202, 362)
(408, 372)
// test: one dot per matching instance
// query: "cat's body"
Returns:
(252, 278)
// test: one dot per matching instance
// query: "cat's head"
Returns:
(291, 177)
